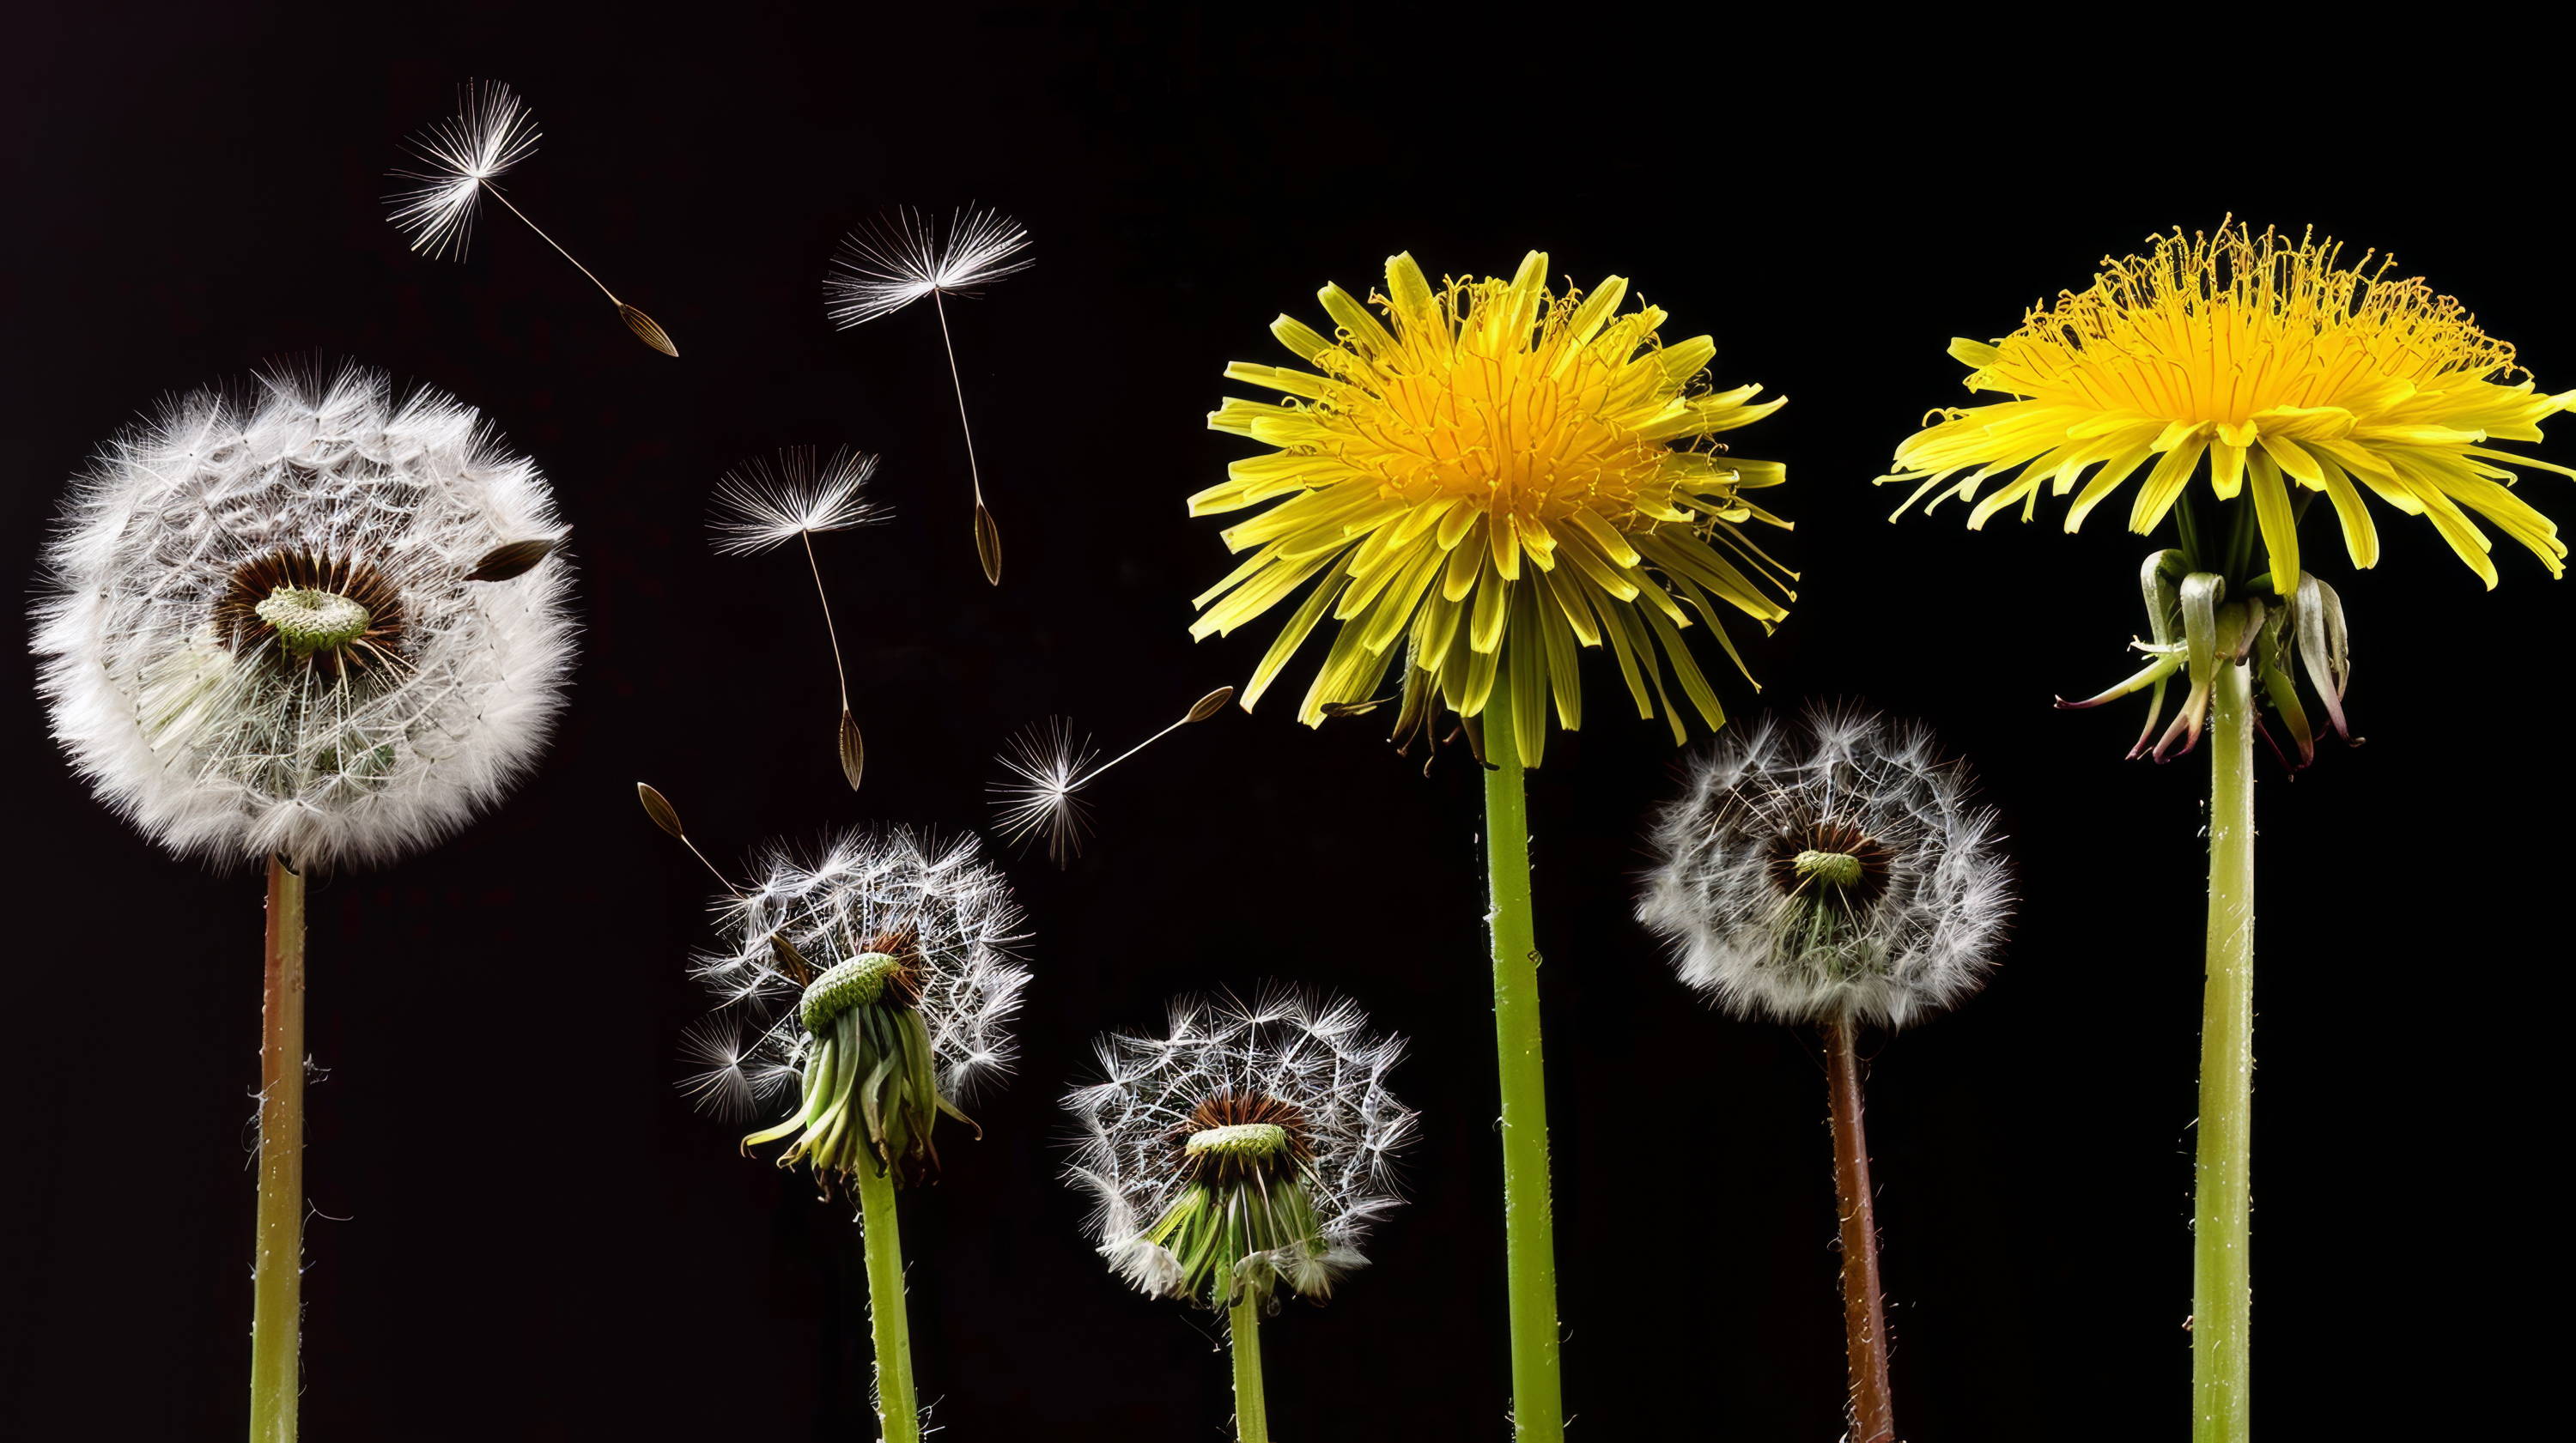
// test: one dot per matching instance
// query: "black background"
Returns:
(521, 1229)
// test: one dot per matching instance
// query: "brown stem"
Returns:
(278, 1265)
(1873, 1408)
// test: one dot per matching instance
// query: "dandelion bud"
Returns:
(1246, 1153)
(1831, 870)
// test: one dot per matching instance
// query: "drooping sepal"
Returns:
(2197, 627)
(870, 1094)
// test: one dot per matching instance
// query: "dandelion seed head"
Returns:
(1224, 1070)
(770, 501)
(1833, 868)
(259, 628)
(901, 256)
(490, 132)
(957, 912)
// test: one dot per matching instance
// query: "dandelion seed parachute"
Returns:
(882, 922)
(1499, 476)
(1286, 1095)
(2285, 370)
(763, 504)
(902, 257)
(304, 620)
(1048, 766)
(491, 132)
(1832, 869)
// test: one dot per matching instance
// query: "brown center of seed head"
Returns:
(1855, 851)
(1223, 1110)
(267, 595)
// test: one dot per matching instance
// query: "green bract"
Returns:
(870, 1092)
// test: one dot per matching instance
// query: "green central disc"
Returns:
(1842, 869)
(859, 980)
(308, 621)
(1243, 1139)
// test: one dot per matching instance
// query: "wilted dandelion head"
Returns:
(490, 132)
(902, 256)
(1250, 1148)
(2284, 368)
(314, 620)
(768, 502)
(1499, 476)
(1833, 869)
(888, 944)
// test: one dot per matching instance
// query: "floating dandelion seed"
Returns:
(463, 155)
(761, 505)
(900, 257)
(1050, 766)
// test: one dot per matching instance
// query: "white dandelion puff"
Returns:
(760, 505)
(1049, 766)
(1833, 870)
(900, 257)
(462, 157)
(314, 621)
(837, 957)
(1251, 1147)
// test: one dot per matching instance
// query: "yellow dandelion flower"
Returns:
(1498, 475)
(2286, 370)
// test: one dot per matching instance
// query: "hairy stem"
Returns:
(1538, 1411)
(898, 1414)
(277, 1268)
(1873, 1406)
(1243, 1327)
(2222, 1204)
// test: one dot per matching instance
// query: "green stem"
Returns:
(1251, 1414)
(2222, 1288)
(898, 1414)
(1538, 1411)
(277, 1267)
